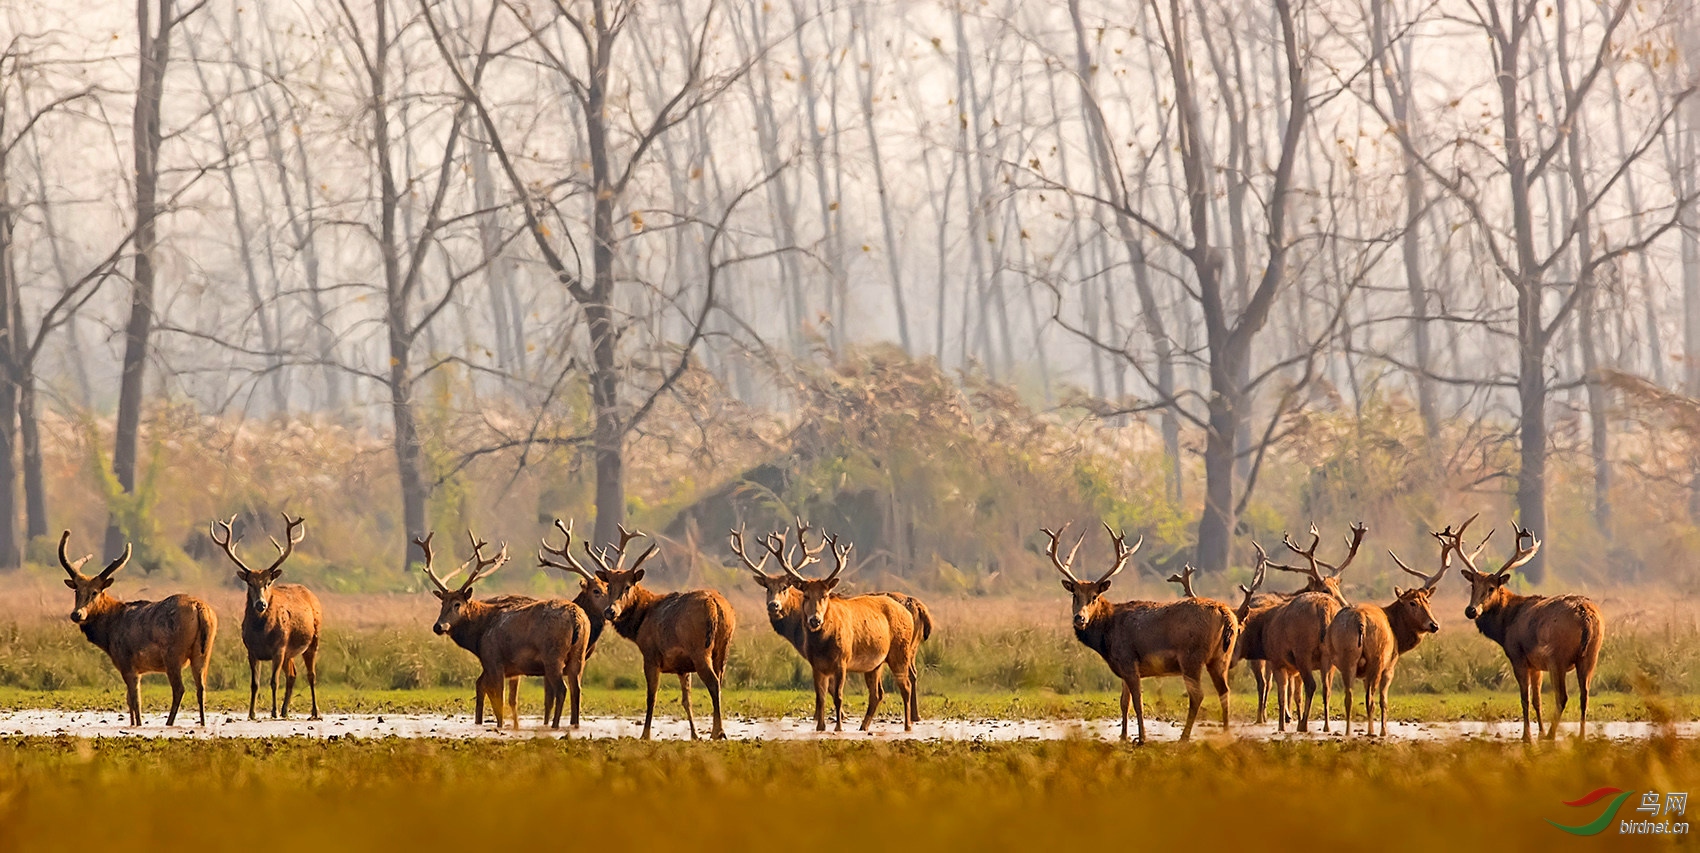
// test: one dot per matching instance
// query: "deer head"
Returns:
(1485, 587)
(815, 591)
(792, 559)
(259, 583)
(1087, 593)
(454, 609)
(87, 588)
(620, 581)
(1319, 582)
(1413, 604)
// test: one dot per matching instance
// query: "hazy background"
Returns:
(932, 274)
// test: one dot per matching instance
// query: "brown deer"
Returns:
(1144, 639)
(143, 636)
(1366, 640)
(1253, 615)
(280, 621)
(784, 600)
(681, 633)
(592, 592)
(512, 636)
(857, 634)
(1538, 633)
(1295, 635)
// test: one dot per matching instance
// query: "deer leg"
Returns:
(175, 676)
(1327, 682)
(1563, 699)
(1127, 703)
(838, 700)
(274, 683)
(1346, 685)
(652, 679)
(711, 680)
(1138, 703)
(575, 683)
(478, 701)
(1194, 701)
(1279, 676)
(1386, 679)
(556, 683)
(513, 700)
(906, 689)
(310, 657)
(1582, 679)
(915, 687)
(876, 692)
(1522, 673)
(821, 680)
(1261, 675)
(1310, 695)
(288, 683)
(1535, 678)
(253, 684)
(685, 700)
(131, 698)
(1219, 679)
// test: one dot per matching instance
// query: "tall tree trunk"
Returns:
(893, 261)
(153, 52)
(29, 430)
(10, 347)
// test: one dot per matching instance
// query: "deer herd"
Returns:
(1287, 640)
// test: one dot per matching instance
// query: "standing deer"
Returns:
(785, 601)
(844, 635)
(279, 621)
(1253, 615)
(512, 636)
(677, 632)
(143, 636)
(1144, 639)
(1538, 633)
(1366, 640)
(1295, 635)
(591, 591)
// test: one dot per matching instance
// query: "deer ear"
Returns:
(439, 594)
(276, 573)
(637, 576)
(1068, 584)
(105, 582)
(832, 583)
(1398, 593)
(1102, 586)
(70, 583)
(242, 575)
(602, 575)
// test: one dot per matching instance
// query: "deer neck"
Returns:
(1405, 633)
(1498, 611)
(587, 603)
(1096, 634)
(469, 632)
(103, 613)
(633, 616)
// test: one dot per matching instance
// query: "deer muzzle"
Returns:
(79, 615)
(609, 613)
(441, 628)
(1471, 612)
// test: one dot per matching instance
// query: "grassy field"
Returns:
(67, 794)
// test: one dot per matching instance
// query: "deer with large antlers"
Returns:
(844, 635)
(1296, 633)
(1145, 639)
(785, 600)
(1366, 640)
(143, 636)
(680, 633)
(280, 621)
(512, 636)
(1538, 633)
(592, 592)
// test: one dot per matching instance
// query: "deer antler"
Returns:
(73, 567)
(1256, 576)
(1522, 555)
(564, 552)
(425, 546)
(1429, 581)
(1309, 555)
(736, 540)
(485, 565)
(1185, 579)
(290, 536)
(228, 543)
(613, 558)
(793, 559)
(840, 556)
(1123, 552)
(1357, 538)
(1062, 565)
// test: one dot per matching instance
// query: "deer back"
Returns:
(292, 620)
(535, 638)
(1296, 632)
(153, 636)
(1361, 641)
(859, 631)
(678, 626)
(1544, 631)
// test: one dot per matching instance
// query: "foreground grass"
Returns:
(71, 794)
(1163, 701)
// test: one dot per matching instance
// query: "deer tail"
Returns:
(923, 618)
(207, 623)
